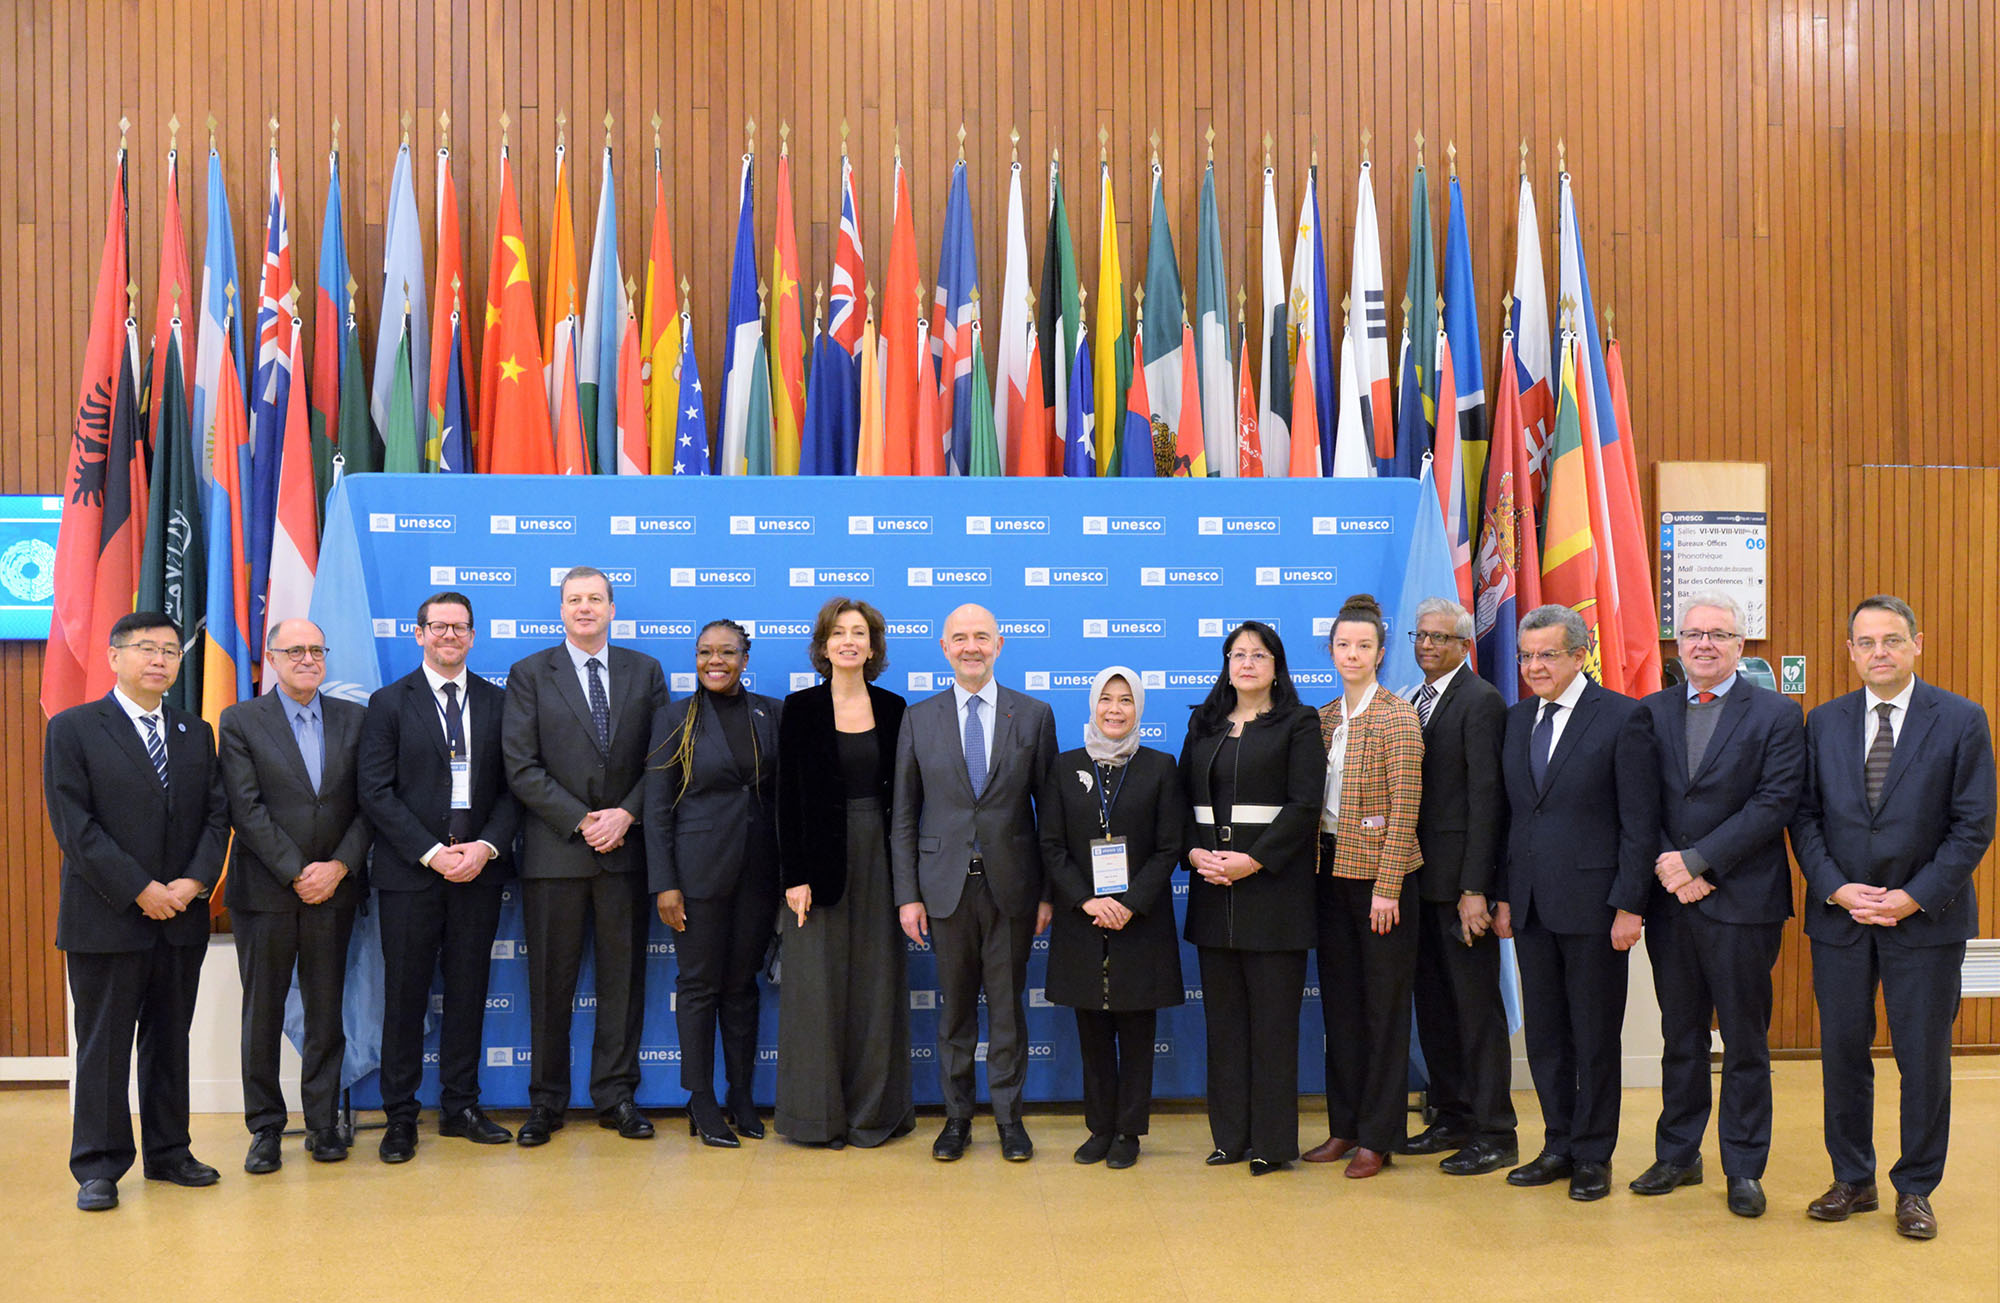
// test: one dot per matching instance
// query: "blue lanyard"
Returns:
(1103, 804)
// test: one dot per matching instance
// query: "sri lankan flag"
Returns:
(1570, 559)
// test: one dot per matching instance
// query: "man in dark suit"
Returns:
(968, 871)
(433, 788)
(136, 804)
(295, 878)
(1583, 793)
(578, 724)
(1461, 1017)
(1897, 812)
(1732, 758)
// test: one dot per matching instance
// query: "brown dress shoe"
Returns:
(1843, 1198)
(1365, 1163)
(1330, 1150)
(1914, 1217)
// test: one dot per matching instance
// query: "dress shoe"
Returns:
(949, 1147)
(188, 1171)
(627, 1121)
(542, 1123)
(1330, 1150)
(471, 1124)
(1434, 1139)
(1547, 1169)
(1479, 1158)
(1365, 1163)
(1223, 1157)
(326, 1146)
(1746, 1196)
(742, 1114)
(1094, 1149)
(97, 1195)
(1589, 1182)
(265, 1155)
(1841, 1199)
(399, 1142)
(1664, 1177)
(1265, 1166)
(1124, 1152)
(705, 1120)
(1914, 1217)
(1015, 1146)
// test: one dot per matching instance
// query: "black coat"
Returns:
(1137, 966)
(714, 825)
(404, 779)
(812, 795)
(282, 823)
(1280, 761)
(1462, 818)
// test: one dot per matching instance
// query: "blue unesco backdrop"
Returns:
(1080, 574)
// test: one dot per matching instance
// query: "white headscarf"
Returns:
(1101, 748)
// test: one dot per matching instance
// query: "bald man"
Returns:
(968, 871)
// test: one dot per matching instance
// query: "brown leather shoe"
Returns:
(1914, 1217)
(1365, 1163)
(1841, 1199)
(1330, 1150)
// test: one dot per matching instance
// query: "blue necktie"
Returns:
(1541, 744)
(975, 747)
(600, 705)
(156, 746)
(306, 729)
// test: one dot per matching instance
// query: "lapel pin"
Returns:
(183, 727)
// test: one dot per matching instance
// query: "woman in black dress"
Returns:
(843, 1002)
(1253, 768)
(1112, 818)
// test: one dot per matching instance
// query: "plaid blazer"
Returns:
(1382, 784)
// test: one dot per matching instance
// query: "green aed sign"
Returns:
(1792, 675)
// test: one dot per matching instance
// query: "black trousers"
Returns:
(269, 944)
(1707, 971)
(1250, 1002)
(980, 948)
(1117, 1069)
(1462, 1025)
(447, 924)
(716, 984)
(1364, 1000)
(1920, 992)
(1573, 990)
(557, 913)
(152, 991)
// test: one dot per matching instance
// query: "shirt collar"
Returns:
(1901, 701)
(1444, 680)
(990, 694)
(133, 710)
(1720, 690)
(437, 681)
(577, 655)
(1574, 692)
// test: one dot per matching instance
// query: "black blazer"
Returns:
(1462, 817)
(404, 779)
(1733, 813)
(282, 823)
(555, 768)
(1139, 965)
(1934, 824)
(118, 831)
(812, 798)
(706, 837)
(1585, 845)
(1280, 761)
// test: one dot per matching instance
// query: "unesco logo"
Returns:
(525, 629)
(472, 576)
(1216, 525)
(500, 1002)
(921, 681)
(707, 577)
(1152, 732)
(801, 680)
(1193, 679)
(622, 578)
(960, 576)
(1059, 680)
(918, 629)
(1024, 628)
(391, 522)
(778, 628)
(1038, 998)
(923, 999)
(1353, 525)
(888, 524)
(391, 627)
(1217, 626)
(658, 1054)
(640, 525)
(1315, 678)
(1178, 577)
(661, 629)
(584, 1000)
(1124, 525)
(1296, 576)
(508, 1056)
(1111, 628)
(531, 524)
(770, 524)
(991, 525)
(660, 948)
(1066, 577)
(814, 577)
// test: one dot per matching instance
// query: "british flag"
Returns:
(844, 317)
(270, 395)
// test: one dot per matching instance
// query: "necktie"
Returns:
(454, 721)
(1426, 698)
(156, 746)
(1541, 744)
(975, 747)
(1704, 698)
(600, 704)
(1879, 751)
(306, 729)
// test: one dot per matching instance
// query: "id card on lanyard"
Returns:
(1110, 871)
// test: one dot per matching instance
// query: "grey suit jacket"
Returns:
(554, 765)
(282, 823)
(935, 820)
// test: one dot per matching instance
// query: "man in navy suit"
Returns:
(1732, 759)
(1583, 791)
(1897, 812)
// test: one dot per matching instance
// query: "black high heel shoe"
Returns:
(705, 1120)
(742, 1114)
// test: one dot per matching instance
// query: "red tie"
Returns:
(1704, 697)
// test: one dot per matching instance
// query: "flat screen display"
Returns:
(28, 524)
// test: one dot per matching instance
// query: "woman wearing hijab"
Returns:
(1112, 820)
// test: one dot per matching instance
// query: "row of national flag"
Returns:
(200, 487)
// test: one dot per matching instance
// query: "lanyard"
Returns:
(1104, 804)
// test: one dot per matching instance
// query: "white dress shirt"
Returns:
(138, 713)
(579, 658)
(1899, 711)
(1336, 759)
(437, 682)
(1570, 696)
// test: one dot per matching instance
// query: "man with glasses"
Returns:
(1732, 760)
(295, 876)
(136, 804)
(1897, 812)
(434, 790)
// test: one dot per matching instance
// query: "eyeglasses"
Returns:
(1716, 636)
(1249, 657)
(439, 629)
(1892, 644)
(1542, 657)
(166, 651)
(302, 653)
(718, 653)
(1425, 638)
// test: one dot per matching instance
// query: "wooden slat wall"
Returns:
(1785, 203)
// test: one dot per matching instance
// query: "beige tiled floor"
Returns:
(592, 1216)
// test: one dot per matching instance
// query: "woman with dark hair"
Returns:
(843, 1007)
(1112, 819)
(712, 862)
(1368, 857)
(1253, 768)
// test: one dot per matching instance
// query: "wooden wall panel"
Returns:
(1784, 203)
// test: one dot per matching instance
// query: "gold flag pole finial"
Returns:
(352, 286)
(211, 132)
(124, 129)
(1209, 135)
(1420, 151)
(868, 292)
(1610, 329)
(457, 299)
(562, 131)
(1082, 293)
(657, 120)
(961, 140)
(784, 139)
(1267, 151)
(228, 304)
(897, 143)
(176, 290)
(292, 300)
(1014, 144)
(1055, 155)
(506, 122)
(1562, 157)
(1241, 298)
(686, 311)
(1138, 307)
(1440, 308)
(1451, 157)
(1103, 143)
(1346, 304)
(1366, 136)
(406, 299)
(631, 293)
(272, 123)
(1507, 309)
(750, 136)
(819, 293)
(174, 133)
(763, 291)
(608, 120)
(406, 126)
(1315, 153)
(843, 135)
(1154, 140)
(1524, 156)
(132, 299)
(1028, 297)
(1406, 309)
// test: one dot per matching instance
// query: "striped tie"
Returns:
(1879, 752)
(1426, 698)
(156, 746)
